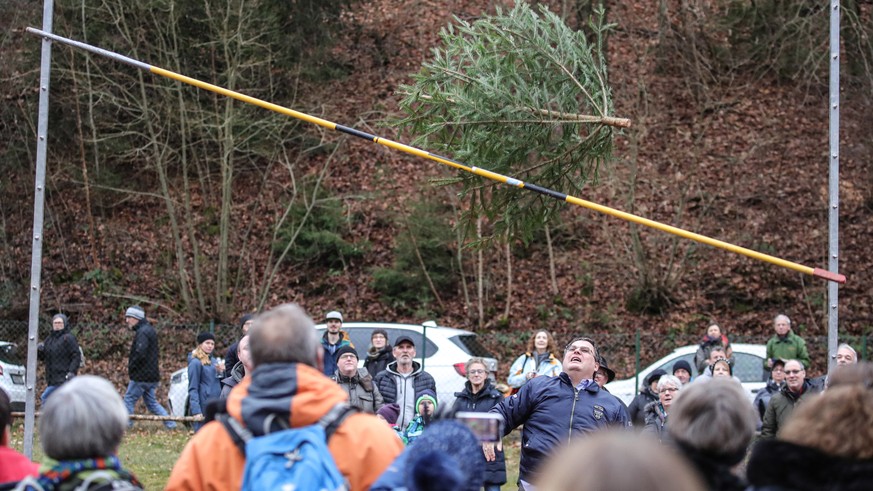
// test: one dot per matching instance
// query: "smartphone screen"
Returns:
(488, 427)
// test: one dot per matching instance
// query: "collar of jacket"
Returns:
(792, 466)
(392, 368)
(592, 387)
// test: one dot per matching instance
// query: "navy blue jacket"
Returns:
(552, 412)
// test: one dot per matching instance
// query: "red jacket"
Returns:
(363, 446)
(15, 466)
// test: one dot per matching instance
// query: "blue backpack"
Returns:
(293, 459)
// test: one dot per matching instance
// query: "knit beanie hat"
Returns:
(426, 394)
(136, 312)
(245, 319)
(342, 351)
(725, 362)
(382, 332)
(205, 336)
(390, 412)
(62, 317)
(683, 365)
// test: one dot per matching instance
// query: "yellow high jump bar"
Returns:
(818, 272)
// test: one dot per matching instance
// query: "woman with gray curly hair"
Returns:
(81, 428)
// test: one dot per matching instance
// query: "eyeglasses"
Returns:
(668, 389)
(580, 348)
(792, 372)
(348, 356)
(477, 372)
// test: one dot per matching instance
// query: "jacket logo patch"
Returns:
(598, 412)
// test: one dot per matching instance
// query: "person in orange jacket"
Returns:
(287, 381)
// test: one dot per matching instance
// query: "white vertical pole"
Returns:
(834, 183)
(38, 215)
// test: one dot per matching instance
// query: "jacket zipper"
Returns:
(573, 412)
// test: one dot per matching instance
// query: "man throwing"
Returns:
(556, 409)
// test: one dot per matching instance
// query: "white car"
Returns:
(12, 375)
(443, 353)
(748, 367)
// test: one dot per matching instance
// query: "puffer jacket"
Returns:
(781, 405)
(61, 354)
(482, 402)
(363, 446)
(386, 381)
(377, 361)
(553, 411)
(363, 394)
(142, 365)
(637, 408)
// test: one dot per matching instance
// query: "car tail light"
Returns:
(461, 368)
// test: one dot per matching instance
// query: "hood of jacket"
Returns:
(295, 393)
(376, 353)
(392, 368)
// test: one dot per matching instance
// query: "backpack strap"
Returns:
(335, 417)
(238, 433)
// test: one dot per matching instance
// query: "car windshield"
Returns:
(471, 345)
(9, 354)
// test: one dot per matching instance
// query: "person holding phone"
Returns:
(479, 396)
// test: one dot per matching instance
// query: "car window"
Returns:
(471, 345)
(748, 368)
(9, 354)
(360, 337)
(668, 367)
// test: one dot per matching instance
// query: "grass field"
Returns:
(150, 451)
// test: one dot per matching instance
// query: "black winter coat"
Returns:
(637, 408)
(715, 470)
(230, 357)
(777, 465)
(377, 362)
(61, 354)
(482, 402)
(142, 365)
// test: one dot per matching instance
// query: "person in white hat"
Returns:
(334, 338)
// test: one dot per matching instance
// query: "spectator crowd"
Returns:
(292, 410)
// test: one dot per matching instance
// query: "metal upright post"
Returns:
(38, 216)
(834, 183)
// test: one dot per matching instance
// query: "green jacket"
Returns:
(792, 347)
(780, 407)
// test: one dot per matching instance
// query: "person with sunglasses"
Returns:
(796, 389)
(555, 410)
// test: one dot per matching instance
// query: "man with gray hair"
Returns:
(785, 344)
(142, 365)
(285, 388)
(80, 430)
